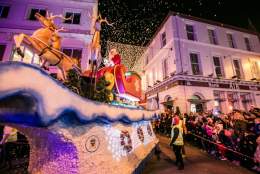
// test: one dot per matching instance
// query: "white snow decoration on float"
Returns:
(70, 134)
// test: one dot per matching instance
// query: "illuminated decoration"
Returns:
(140, 134)
(125, 141)
(129, 53)
(127, 83)
(122, 142)
(216, 103)
(45, 42)
(69, 134)
(114, 145)
(149, 130)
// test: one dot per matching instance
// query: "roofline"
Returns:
(211, 22)
(159, 28)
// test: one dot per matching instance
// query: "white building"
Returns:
(198, 64)
(17, 16)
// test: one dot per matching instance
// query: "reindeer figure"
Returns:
(41, 37)
(53, 56)
(47, 43)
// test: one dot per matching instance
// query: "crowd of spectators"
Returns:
(234, 136)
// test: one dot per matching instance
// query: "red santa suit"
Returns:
(116, 59)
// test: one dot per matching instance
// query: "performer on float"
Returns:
(114, 58)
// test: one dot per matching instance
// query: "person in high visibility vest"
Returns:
(177, 141)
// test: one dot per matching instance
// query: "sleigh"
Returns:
(127, 83)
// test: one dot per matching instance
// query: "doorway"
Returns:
(197, 104)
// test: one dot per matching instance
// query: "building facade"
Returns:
(200, 65)
(18, 17)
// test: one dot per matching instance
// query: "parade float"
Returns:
(68, 133)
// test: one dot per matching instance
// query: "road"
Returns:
(196, 162)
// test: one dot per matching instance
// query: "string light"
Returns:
(113, 137)
(136, 23)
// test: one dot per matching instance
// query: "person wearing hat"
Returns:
(177, 141)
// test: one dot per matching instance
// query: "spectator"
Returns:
(8, 141)
(257, 156)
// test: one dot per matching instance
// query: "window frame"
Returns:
(212, 35)
(147, 80)
(248, 44)
(22, 59)
(165, 68)
(247, 100)
(153, 76)
(146, 60)
(4, 50)
(255, 69)
(29, 11)
(72, 52)
(193, 33)
(163, 39)
(220, 66)
(199, 64)
(231, 40)
(73, 11)
(1, 11)
(240, 68)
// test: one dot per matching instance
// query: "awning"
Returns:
(197, 101)
(167, 103)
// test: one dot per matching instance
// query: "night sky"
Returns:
(135, 21)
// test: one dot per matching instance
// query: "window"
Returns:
(219, 100)
(190, 32)
(247, 101)
(237, 68)
(147, 80)
(75, 18)
(154, 78)
(29, 56)
(2, 52)
(195, 65)
(146, 60)
(212, 36)
(218, 66)
(231, 41)
(248, 45)
(33, 11)
(163, 39)
(233, 99)
(4, 10)
(74, 53)
(255, 69)
(165, 68)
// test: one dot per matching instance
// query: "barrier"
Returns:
(226, 148)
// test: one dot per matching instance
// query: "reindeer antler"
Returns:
(105, 20)
(60, 29)
(59, 16)
(47, 14)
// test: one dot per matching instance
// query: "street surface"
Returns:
(196, 162)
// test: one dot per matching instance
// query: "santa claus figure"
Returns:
(114, 57)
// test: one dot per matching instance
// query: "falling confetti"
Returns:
(129, 53)
(135, 21)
